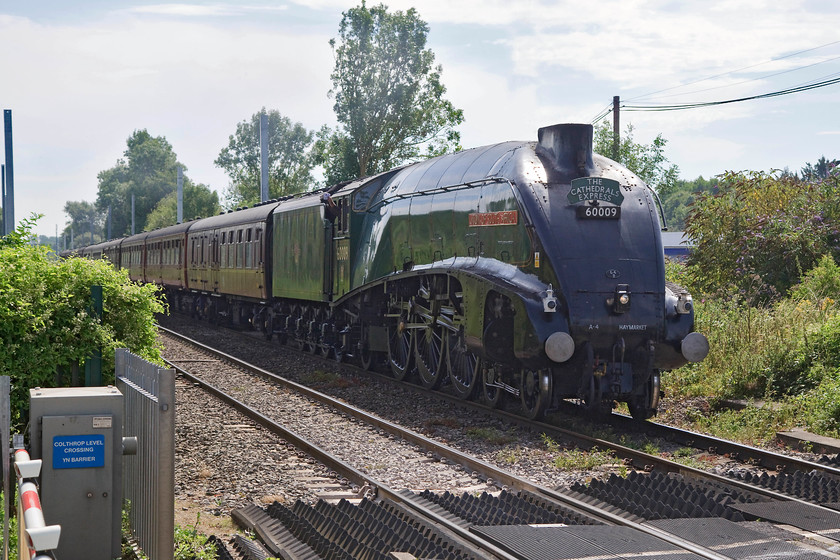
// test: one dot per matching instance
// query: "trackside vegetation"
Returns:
(45, 324)
(766, 284)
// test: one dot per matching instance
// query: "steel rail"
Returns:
(451, 530)
(451, 454)
(743, 453)
(738, 451)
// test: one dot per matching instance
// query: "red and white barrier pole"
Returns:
(38, 535)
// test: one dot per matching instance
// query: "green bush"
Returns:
(760, 232)
(819, 409)
(762, 351)
(821, 283)
(44, 318)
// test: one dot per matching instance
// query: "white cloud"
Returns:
(197, 10)
(191, 70)
(80, 91)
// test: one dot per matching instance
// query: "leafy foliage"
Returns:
(819, 283)
(678, 199)
(192, 545)
(820, 170)
(333, 150)
(388, 92)
(85, 223)
(149, 172)
(44, 318)
(199, 201)
(648, 161)
(787, 351)
(289, 161)
(760, 232)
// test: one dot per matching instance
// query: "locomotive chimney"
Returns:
(568, 147)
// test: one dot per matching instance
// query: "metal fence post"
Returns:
(149, 478)
(6, 427)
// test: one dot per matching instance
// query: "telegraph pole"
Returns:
(263, 157)
(179, 209)
(9, 195)
(3, 199)
(616, 129)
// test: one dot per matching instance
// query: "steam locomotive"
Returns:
(532, 269)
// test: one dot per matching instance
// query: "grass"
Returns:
(576, 459)
(509, 455)
(491, 435)
(786, 353)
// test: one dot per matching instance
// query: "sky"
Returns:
(80, 77)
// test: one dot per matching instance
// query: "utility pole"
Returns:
(263, 157)
(132, 213)
(9, 198)
(616, 129)
(3, 199)
(179, 213)
(109, 222)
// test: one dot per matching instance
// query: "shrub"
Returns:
(821, 283)
(44, 318)
(759, 234)
(819, 409)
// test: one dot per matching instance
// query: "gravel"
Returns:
(224, 461)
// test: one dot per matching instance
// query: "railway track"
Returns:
(588, 505)
(744, 454)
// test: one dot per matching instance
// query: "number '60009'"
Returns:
(601, 212)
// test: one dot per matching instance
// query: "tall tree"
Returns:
(84, 219)
(149, 172)
(333, 150)
(199, 201)
(289, 161)
(819, 170)
(388, 92)
(677, 200)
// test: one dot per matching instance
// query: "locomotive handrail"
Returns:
(450, 188)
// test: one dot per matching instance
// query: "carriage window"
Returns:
(240, 257)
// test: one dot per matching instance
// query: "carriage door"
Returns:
(341, 249)
(214, 259)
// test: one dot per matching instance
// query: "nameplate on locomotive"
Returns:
(595, 188)
(504, 218)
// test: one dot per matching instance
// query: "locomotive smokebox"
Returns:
(568, 147)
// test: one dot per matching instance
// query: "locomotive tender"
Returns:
(533, 269)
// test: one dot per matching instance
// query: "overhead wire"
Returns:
(825, 81)
(681, 106)
(788, 71)
(604, 112)
(737, 70)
